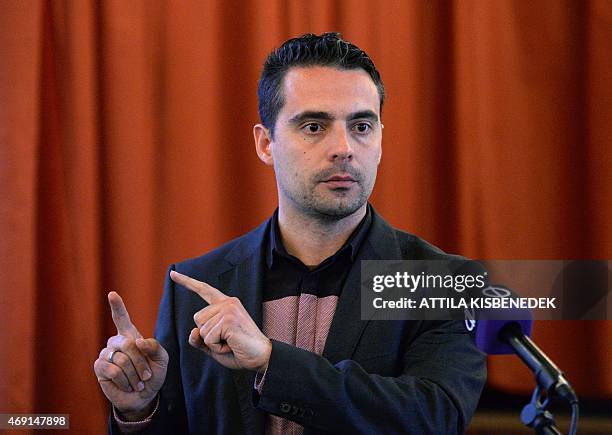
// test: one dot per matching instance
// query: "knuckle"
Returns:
(119, 359)
(129, 344)
(124, 362)
(205, 326)
(235, 308)
(129, 347)
(197, 317)
(201, 336)
(210, 337)
(153, 345)
(114, 373)
(115, 341)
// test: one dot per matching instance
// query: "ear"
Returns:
(263, 142)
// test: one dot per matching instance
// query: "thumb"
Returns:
(153, 350)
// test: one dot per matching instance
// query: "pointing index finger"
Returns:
(121, 317)
(206, 291)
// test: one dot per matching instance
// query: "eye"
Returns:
(362, 127)
(312, 128)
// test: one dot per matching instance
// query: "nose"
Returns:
(340, 147)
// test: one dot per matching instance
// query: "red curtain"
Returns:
(125, 145)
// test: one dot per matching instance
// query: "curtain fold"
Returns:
(126, 145)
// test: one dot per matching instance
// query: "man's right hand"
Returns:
(130, 369)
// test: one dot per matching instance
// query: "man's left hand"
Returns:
(225, 330)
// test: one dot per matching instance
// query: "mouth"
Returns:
(340, 182)
(340, 178)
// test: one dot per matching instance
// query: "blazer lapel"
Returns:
(347, 326)
(245, 281)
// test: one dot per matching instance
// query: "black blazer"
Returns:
(374, 377)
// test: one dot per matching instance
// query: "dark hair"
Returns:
(328, 49)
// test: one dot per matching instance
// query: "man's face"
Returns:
(327, 141)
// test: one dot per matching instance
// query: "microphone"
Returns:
(502, 332)
(506, 331)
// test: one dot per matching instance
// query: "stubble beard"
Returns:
(330, 205)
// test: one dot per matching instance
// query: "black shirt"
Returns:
(286, 275)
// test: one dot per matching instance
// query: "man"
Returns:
(264, 333)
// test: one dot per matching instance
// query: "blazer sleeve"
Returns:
(437, 390)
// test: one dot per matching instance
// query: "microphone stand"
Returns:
(536, 415)
(549, 378)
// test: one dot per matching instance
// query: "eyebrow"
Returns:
(363, 114)
(325, 116)
(310, 114)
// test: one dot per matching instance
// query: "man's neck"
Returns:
(312, 240)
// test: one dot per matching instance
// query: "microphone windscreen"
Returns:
(487, 334)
